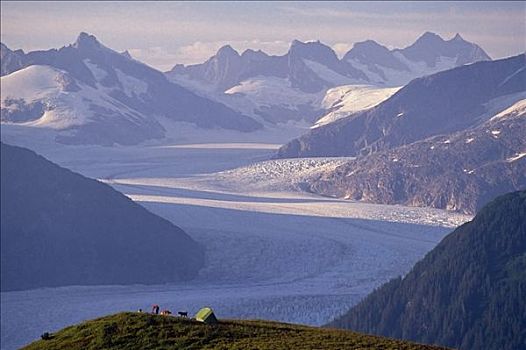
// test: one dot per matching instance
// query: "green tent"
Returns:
(206, 315)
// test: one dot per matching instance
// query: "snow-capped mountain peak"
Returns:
(310, 69)
(427, 55)
(431, 48)
(439, 104)
(105, 96)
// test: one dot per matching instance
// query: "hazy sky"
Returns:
(164, 33)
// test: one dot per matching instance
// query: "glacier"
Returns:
(272, 251)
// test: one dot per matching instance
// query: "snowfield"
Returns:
(272, 251)
(45, 84)
(264, 91)
(344, 100)
(65, 102)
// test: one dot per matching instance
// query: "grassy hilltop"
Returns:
(145, 331)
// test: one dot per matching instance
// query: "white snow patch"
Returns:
(327, 74)
(97, 72)
(268, 91)
(470, 139)
(183, 133)
(198, 87)
(132, 86)
(394, 77)
(348, 99)
(44, 84)
(30, 83)
(517, 107)
(64, 108)
(516, 157)
(277, 175)
(372, 76)
(420, 69)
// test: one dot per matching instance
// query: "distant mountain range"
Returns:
(453, 140)
(302, 76)
(441, 103)
(60, 228)
(428, 54)
(91, 94)
(467, 293)
(461, 171)
(99, 96)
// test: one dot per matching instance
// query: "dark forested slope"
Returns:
(61, 228)
(469, 292)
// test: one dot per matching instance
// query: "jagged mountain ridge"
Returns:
(442, 103)
(309, 69)
(119, 80)
(228, 68)
(428, 54)
(10, 60)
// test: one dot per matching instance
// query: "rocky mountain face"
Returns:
(117, 99)
(310, 69)
(228, 68)
(10, 60)
(438, 104)
(430, 48)
(462, 171)
(60, 228)
(272, 88)
(467, 293)
(429, 54)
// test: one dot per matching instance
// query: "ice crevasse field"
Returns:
(272, 251)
